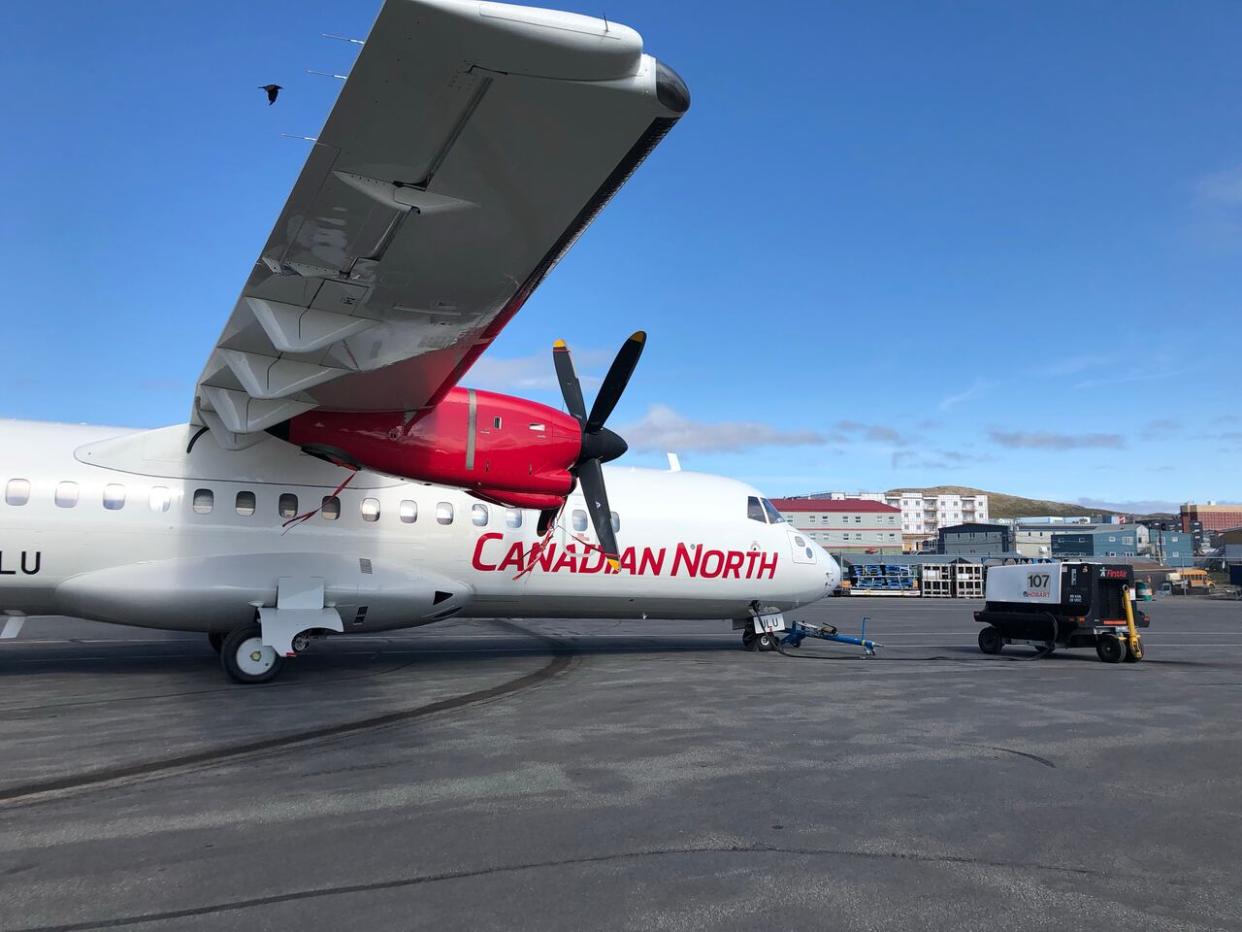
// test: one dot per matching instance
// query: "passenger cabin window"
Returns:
(160, 498)
(66, 494)
(615, 522)
(287, 505)
(513, 517)
(408, 511)
(444, 513)
(478, 515)
(204, 501)
(245, 504)
(774, 516)
(114, 496)
(17, 492)
(331, 508)
(754, 510)
(370, 509)
(579, 519)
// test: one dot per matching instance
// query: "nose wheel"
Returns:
(246, 659)
(761, 642)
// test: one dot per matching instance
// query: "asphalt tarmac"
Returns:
(597, 775)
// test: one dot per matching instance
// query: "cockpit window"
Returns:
(774, 516)
(754, 510)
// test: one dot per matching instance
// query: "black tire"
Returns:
(766, 641)
(248, 663)
(1110, 649)
(990, 640)
(216, 640)
(749, 640)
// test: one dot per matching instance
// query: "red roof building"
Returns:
(850, 525)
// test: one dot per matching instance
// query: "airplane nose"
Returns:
(824, 574)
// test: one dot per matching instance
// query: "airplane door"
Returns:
(802, 550)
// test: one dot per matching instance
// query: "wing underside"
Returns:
(470, 145)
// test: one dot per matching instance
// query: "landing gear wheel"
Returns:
(749, 639)
(990, 640)
(1110, 649)
(216, 640)
(246, 658)
(766, 641)
(1134, 656)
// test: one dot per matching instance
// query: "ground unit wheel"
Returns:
(216, 640)
(990, 640)
(766, 641)
(246, 658)
(1133, 656)
(1110, 649)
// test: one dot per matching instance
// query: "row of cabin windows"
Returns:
(203, 502)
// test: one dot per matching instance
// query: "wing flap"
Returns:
(470, 146)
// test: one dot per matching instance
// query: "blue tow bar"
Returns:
(800, 630)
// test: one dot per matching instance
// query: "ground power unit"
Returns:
(1050, 605)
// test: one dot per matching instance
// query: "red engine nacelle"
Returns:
(505, 450)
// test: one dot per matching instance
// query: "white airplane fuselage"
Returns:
(126, 526)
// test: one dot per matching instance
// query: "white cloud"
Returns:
(1144, 507)
(938, 459)
(1223, 189)
(1218, 207)
(872, 433)
(1046, 440)
(516, 374)
(663, 429)
(977, 388)
(1130, 377)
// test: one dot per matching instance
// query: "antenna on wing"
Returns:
(605, 22)
(327, 74)
(328, 35)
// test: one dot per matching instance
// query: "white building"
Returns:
(922, 516)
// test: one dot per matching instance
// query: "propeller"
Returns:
(599, 444)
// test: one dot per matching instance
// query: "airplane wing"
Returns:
(470, 146)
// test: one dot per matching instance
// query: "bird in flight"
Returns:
(272, 91)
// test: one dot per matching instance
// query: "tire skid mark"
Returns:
(1027, 755)
(561, 660)
(615, 857)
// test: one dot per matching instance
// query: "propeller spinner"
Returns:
(599, 444)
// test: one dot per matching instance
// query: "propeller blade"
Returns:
(591, 479)
(571, 389)
(615, 381)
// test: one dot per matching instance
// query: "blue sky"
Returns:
(990, 244)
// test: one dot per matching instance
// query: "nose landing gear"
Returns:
(761, 641)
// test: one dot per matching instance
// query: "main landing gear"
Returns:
(246, 659)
